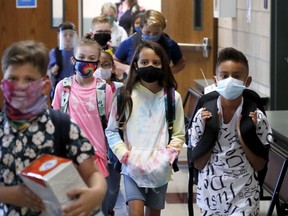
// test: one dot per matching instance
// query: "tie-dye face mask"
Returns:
(85, 68)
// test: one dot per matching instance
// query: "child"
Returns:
(60, 57)
(228, 181)
(83, 100)
(26, 132)
(106, 71)
(118, 33)
(146, 153)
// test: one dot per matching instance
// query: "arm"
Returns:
(178, 66)
(89, 198)
(20, 195)
(120, 67)
(56, 103)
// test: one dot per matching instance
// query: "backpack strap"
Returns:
(61, 122)
(58, 57)
(100, 95)
(170, 115)
(67, 83)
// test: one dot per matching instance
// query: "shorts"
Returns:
(153, 198)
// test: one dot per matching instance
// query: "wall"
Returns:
(252, 38)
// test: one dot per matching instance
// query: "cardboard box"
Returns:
(51, 177)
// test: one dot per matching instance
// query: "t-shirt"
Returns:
(19, 149)
(118, 34)
(83, 109)
(227, 185)
(127, 48)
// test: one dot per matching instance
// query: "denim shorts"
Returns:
(153, 198)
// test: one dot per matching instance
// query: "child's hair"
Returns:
(86, 41)
(23, 52)
(109, 5)
(108, 55)
(99, 19)
(66, 25)
(153, 18)
(232, 54)
(168, 78)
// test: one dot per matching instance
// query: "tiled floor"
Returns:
(176, 199)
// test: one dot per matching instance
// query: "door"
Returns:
(188, 22)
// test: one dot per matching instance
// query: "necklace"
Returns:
(149, 106)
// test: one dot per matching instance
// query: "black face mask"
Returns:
(150, 74)
(102, 38)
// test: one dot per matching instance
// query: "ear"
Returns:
(47, 86)
(248, 81)
(215, 80)
(72, 60)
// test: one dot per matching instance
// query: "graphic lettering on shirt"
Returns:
(91, 103)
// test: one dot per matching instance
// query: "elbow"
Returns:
(199, 165)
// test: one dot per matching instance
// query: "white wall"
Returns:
(252, 38)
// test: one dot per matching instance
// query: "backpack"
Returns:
(61, 122)
(170, 117)
(100, 92)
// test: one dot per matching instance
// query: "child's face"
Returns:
(147, 57)
(87, 53)
(107, 11)
(102, 28)
(137, 22)
(67, 38)
(105, 62)
(22, 74)
(152, 30)
(232, 69)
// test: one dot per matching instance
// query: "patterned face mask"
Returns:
(23, 101)
(85, 68)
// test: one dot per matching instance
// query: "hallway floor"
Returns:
(176, 198)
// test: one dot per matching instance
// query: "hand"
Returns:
(87, 201)
(205, 115)
(24, 197)
(253, 116)
(55, 70)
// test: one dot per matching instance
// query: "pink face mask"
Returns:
(23, 101)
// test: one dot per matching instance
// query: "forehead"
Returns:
(152, 29)
(147, 53)
(231, 67)
(108, 11)
(104, 57)
(101, 26)
(87, 50)
(22, 71)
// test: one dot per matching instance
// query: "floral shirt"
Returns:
(19, 149)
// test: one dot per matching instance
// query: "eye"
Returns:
(157, 63)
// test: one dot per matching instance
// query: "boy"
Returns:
(26, 132)
(230, 160)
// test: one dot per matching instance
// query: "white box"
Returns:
(225, 8)
(51, 177)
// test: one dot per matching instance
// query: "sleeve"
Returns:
(56, 103)
(263, 129)
(122, 51)
(115, 142)
(176, 54)
(80, 148)
(197, 128)
(52, 58)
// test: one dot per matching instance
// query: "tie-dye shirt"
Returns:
(227, 185)
(146, 137)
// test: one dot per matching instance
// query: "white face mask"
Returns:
(102, 73)
(230, 88)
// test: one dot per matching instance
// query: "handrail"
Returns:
(204, 46)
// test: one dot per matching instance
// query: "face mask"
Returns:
(230, 88)
(111, 19)
(150, 37)
(150, 74)
(102, 38)
(85, 68)
(102, 73)
(23, 101)
(138, 30)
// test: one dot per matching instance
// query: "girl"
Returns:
(82, 103)
(146, 153)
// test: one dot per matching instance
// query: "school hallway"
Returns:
(176, 198)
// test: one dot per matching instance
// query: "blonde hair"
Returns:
(88, 42)
(109, 5)
(99, 19)
(153, 18)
